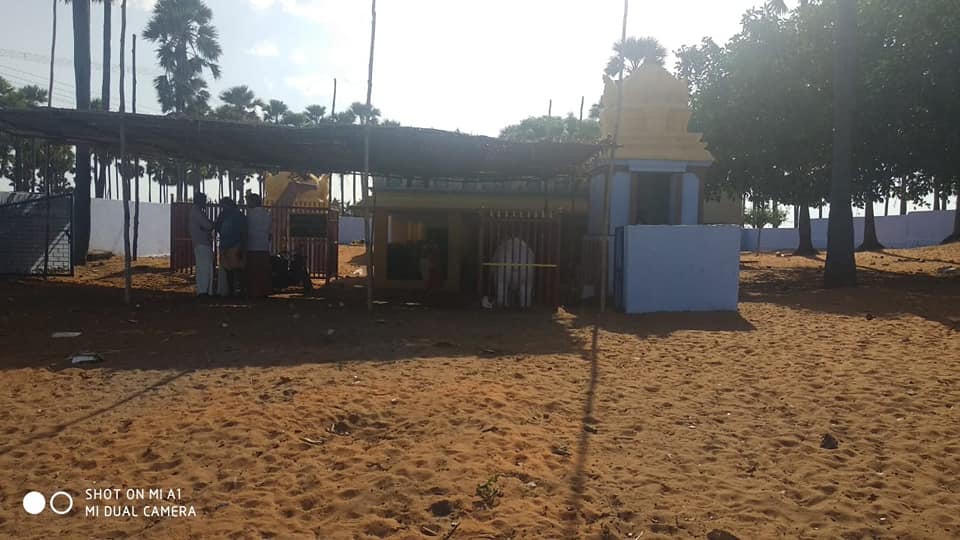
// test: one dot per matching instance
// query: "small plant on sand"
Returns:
(489, 491)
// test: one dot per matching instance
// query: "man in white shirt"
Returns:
(200, 234)
(257, 270)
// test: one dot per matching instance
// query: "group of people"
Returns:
(244, 247)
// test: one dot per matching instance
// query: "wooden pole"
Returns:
(580, 123)
(343, 206)
(53, 52)
(333, 107)
(136, 182)
(367, 225)
(550, 108)
(610, 172)
(123, 44)
(126, 215)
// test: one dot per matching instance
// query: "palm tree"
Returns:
(295, 119)
(315, 114)
(635, 52)
(105, 88)
(841, 266)
(274, 111)
(187, 44)
(779, 7)
(363, 112)
(240, 104)
(81, 69)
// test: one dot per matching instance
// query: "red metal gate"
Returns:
(519, 253)
(320, 252)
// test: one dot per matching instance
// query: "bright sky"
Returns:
(448, 64)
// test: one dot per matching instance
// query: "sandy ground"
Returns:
(308, 418)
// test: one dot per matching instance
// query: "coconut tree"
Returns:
(104, 87)
(187, 45)
(81, 69)
(841, 266)
(274, 111)
(780, 6)
(240, 104)
(315, 114)
(364, 113)
(635, 53)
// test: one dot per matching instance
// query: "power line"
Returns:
(66, 62)
(61, 89)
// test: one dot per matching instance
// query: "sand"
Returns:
(302, 418)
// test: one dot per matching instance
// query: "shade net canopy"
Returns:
(394, 151)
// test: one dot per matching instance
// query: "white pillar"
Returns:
(690, 200)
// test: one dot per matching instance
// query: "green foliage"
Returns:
(764, 101)
(187, 45)
(552, 129)
(635, 52)
(489, 491)
(759, 216)
(31, 164)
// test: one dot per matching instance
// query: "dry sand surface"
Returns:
(308, 418)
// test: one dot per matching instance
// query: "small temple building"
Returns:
(660, 167)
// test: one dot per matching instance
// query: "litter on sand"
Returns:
(85, 358)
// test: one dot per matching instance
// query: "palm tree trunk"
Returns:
(136, 210)
(886, 205)
(105, 86)
(841, 266)
(903, 196)
(936, 199)
(53, 53)
(805, 247)
(125, 183)
(81, 68)
(870, 241)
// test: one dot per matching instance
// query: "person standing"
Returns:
(257, 270)
(232, 226)
(201, 228)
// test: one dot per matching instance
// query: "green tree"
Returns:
(295, 119)
(364, 114)
(760, 102)
(315, 114)
(759, 216)
(552, 129)
(636, 52)
(187, 44)
(239, 105)
(274, 110)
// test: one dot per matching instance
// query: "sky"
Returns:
(447, 64)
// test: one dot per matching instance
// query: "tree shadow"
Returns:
(664, 324)
(880, 293)
(170, 330)
(578, 480)
(916, 259)
(59, 428)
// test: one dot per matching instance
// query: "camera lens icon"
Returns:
(34, 502)
(61, 503)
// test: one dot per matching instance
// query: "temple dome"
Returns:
(656, 113)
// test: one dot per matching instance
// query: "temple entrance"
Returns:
(650, 199)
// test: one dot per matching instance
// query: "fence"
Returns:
(310, 231)
(520, 258)
(912, 230)
(36, 235)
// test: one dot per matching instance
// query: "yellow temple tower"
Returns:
(660, 165)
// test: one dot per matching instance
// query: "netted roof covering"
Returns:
(394, 151)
